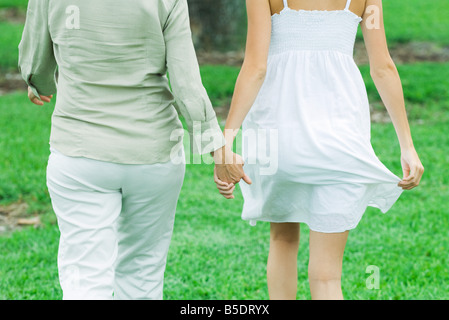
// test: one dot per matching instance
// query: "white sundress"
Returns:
(306, 140)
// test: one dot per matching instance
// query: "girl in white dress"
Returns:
(304, 112)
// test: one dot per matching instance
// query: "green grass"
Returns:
(28, 265)
(416, 20)
(10, 35)
(13, 3)
(216, 255)
(220, 82)
(24, 144)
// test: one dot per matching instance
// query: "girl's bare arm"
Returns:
(254, 67)
(249, 81)
(388, 83)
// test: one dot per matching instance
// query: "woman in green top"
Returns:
(114, 173)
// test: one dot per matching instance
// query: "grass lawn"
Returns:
(216, 255)
(416, 20)
(10, 35)
(13, 4)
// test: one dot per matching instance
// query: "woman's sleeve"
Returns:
(37, 63)
(185, 79)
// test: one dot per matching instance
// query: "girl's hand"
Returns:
(36, 100)
(411, 168)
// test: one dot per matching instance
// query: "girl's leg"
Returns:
(145, 226)
(325, 264)
(282, 273)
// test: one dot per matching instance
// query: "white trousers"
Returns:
(116, 223)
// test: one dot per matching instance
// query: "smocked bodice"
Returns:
(296, 30)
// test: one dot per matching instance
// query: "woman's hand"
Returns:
(228, 171)
(36, 100)
(225, 189)
(411, 168)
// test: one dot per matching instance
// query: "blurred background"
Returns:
(215, 255)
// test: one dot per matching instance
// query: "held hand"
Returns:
(225, 189)
(228, 171)
(229, 166)
(232, 173)
(411, 168)
(36, 100)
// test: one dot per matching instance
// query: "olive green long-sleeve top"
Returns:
(114, 102)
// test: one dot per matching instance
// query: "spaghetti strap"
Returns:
(348, 3)
(285, 3)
